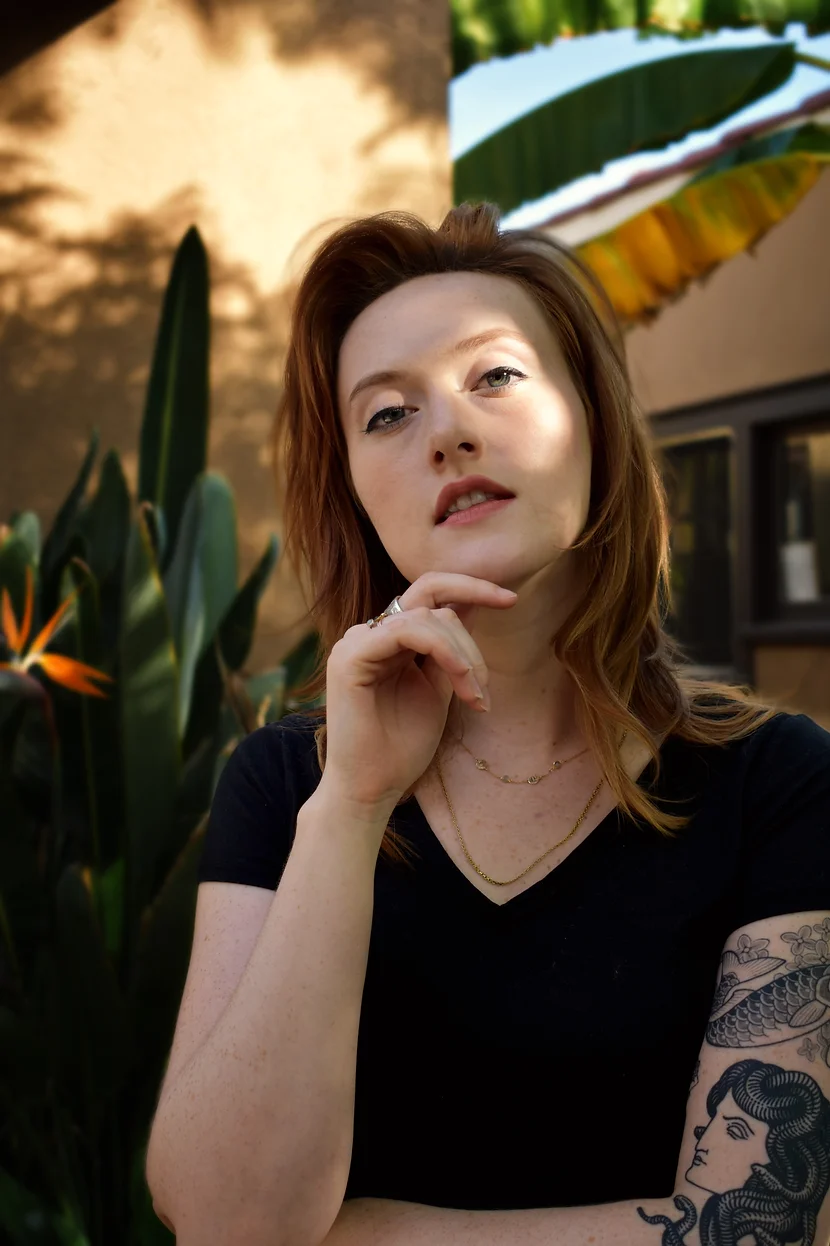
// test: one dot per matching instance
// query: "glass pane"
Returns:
(697, 481)
(802, 470)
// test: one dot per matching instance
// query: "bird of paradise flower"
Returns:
(66, 671)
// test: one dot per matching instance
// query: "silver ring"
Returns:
(394, 607)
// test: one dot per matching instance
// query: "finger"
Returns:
(447, 616)
(440, 588)
(363, 652)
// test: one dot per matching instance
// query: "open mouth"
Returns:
(476, 506)
(479, 510)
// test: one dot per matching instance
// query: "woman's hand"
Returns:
(386, 710)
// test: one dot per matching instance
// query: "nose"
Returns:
(452, 429)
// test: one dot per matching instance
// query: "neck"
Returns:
(533, 699)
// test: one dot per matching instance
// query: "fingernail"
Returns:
(484, 698)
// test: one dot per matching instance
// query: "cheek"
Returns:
(382, 491)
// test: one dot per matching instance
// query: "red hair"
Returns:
(627, 670)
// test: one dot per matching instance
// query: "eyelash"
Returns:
(386, 410)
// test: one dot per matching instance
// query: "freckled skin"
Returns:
(530, 435)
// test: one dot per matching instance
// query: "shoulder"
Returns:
(788, 767)
(263, 784)
(285, 748)
(781, 764)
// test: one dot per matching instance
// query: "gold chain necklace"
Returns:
(477, 868)
(482, 764)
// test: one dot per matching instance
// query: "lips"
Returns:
(466, 485)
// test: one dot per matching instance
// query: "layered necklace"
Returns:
(483, 764)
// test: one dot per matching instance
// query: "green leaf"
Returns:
(105, 522)
(110, 898)
(149, 727)
(237, 631)
(482, 29)
(299, 665)
(638, 109)
(200, 583)
(267, 692)
(807, 138)
(26, 526)
(174, 431)
(27, 1221)
(94, 1037)
(83, 720)
(161, 965)
(63, 529)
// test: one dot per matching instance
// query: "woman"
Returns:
(423, 1006)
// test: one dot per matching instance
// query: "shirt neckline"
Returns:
(610, 830)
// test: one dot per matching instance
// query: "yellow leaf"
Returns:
(651, 258)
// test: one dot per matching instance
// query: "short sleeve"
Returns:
(253, 815)
(785, 860)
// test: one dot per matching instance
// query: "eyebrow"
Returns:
(391, 376)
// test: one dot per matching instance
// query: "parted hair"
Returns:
(628, 672)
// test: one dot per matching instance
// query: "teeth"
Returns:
(469, 499)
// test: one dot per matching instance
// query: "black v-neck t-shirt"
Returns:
(539, 1053)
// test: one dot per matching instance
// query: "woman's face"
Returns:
(457, 375)
(727, 1148)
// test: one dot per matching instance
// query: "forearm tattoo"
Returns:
(762, 1159)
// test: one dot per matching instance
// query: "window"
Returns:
(801, 470)
(697, 478)
(748, 484)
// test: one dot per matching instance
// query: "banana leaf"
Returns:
(482, 29)
(174, 430)
(651, 258)
(638, 109)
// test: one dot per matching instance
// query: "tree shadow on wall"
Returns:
(399, 46)
(81, 314)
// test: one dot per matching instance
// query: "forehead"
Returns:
(424, 316)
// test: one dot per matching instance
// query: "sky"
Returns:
(488, 96)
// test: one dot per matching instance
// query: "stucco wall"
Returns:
(258, 121)
(758, 320)
(796, 677)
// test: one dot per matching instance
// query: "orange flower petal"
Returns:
(71, 674)
(42, 639)
(10, 623)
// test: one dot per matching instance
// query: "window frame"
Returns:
(753, 419)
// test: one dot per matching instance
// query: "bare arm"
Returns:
(253, 1134)
(754, 1166)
